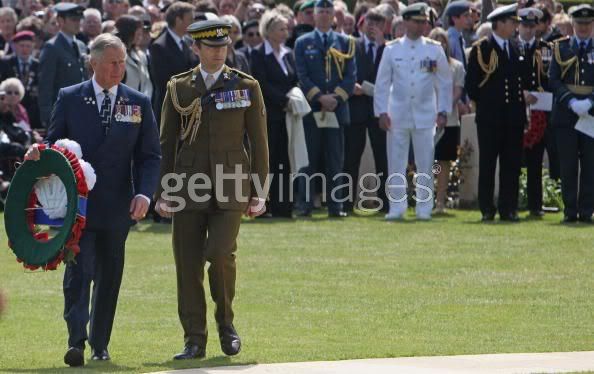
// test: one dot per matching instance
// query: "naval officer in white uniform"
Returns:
(413, 95)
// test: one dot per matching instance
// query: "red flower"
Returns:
(536, 129)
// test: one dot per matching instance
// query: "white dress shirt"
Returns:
(205, 74)
(279, 56)
(501, 43)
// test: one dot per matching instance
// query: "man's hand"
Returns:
(529, 98)
(463, 108)
(385, 123)
(138, 208)
(255, 208)
(358, 91)
(163, 208)
(33, 153)
(441, 120)
(328, 102)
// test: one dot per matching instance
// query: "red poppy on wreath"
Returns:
(53, 192)
(535, 132)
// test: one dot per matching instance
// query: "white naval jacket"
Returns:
(414, 83)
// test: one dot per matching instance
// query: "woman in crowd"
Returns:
(235, 59)
(130, 31)
(15, 91)
(8, 22)
(446, 150)
(273, 65)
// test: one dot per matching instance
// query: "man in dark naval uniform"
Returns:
(537, 54)
(572, 81)
(497, 82)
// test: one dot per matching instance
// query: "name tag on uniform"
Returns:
(428, 65)
(128, 113)
(232, 99)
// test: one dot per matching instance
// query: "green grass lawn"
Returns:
(327, 290)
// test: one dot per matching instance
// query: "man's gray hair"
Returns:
(103, 41)
(92, 12)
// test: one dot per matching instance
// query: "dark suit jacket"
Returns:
(30, 81)
(499, 99)
(361, 107)
(128, 149)
(275, 84)
(167, 60)
(59, 68)
(239, 62)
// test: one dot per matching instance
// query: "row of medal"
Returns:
(232, 99)
(428, 65)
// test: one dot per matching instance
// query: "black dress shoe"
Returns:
(488, 217)
(537, 213)
(100, 355)
(338, 214)
(569, 219)
(509, 217)
(585, 219)
(306, 213)
(74, 357)
(191, 351)
(230, 342)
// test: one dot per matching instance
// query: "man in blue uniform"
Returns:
(327, 74)
(571, 78)
(115, 128)
(62, 59)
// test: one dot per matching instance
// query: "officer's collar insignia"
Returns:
(194, 77)
(89, 100)
(226, 76)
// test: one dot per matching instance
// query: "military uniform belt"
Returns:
(580, 90)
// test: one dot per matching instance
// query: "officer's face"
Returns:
(506, 29)
(211, 58)
(324, 18)
(24, 48)
(583, 30)
(109, 68)
(69, 25)
(527, 32)
(415, 28)
(464, 21)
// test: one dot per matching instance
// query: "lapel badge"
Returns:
(89, 100)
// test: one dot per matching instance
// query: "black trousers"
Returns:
(280, 203)
(576, 156)
(101, 261)
(501, 140)
(533, 159)
(354, 145)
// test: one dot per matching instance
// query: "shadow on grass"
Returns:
(197, 364)
(101, 367)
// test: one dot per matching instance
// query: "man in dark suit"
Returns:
(119, 130)
(62, 59)
(497, 82)
(571, 77)
(369, 49)
(25, 67)
(170, 54)
(327, 74)
(251, 39)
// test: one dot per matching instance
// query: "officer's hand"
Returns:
(463, 108)
(358, 91)
(529, 98)
(441, 120)
(33, 153)
(328, 102)
(138, 208)
(255, 208)
(163, 208)
(385, 123)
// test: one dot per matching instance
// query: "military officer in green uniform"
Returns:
(208, 181)
(571, 78)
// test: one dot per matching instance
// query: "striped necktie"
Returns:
(105, 112)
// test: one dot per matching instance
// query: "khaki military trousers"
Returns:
(200, 236)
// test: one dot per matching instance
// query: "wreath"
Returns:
(52, 193)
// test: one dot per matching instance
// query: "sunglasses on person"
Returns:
(252, 34)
